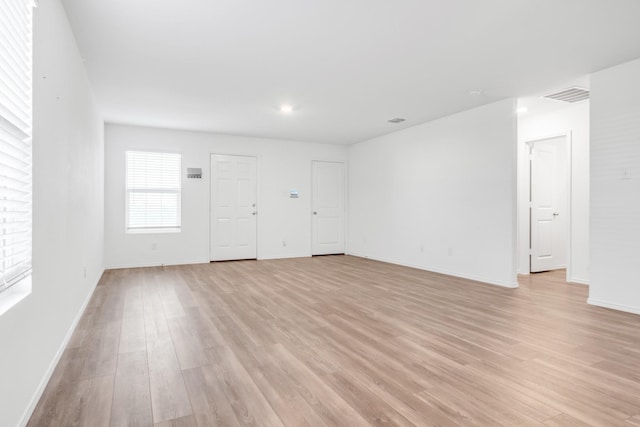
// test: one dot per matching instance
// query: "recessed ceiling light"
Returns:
(396, 120)
(522, 110)
(286, 108)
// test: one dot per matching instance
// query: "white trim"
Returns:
(605, 304)
(54, 363)
(12, 296)
(578, 281)
(346, 206)
(157, 264)
(127, 191)
(272, 257)
(528, 143)
(258, 200)
(345, 199)
(154, 230)
(504, 284)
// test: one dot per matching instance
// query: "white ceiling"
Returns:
(537, 104)
(347, 66)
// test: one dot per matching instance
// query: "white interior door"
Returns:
(328, 208)
(548, 204)
(233, 207)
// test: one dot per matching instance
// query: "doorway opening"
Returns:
(549, 123)
(550, 204)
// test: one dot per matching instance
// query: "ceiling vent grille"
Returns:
(574, 94)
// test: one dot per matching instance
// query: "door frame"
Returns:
(258, 201)
(345, 195)
(525, 246)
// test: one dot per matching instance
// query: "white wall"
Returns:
(615, 196)
(282, 165)
(573, 120)
(68, 216)
(440, 196)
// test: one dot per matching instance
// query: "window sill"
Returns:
(153, 231)
(15, 294)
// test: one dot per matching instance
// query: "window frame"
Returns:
(127, 191)
(19, 72)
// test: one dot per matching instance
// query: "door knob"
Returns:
(556, 213)
(254, 213)
(315, 213)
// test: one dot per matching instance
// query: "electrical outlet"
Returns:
(450, 251)
(284, 243)
(154, 246)
(84, 271)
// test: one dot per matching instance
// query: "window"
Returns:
(153, 191)
(15, 144)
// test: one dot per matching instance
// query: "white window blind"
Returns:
(15, 140)
(153, 190)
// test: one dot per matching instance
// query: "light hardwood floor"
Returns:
(342, 341)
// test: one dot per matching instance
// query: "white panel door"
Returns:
(328, 208)
(233, 208)
(548, 202)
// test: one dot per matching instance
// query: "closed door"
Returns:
(328, 208)
(233, 208)
(548, 204)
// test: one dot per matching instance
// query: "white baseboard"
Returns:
(579, 281)
(268, 257)
(448, 273)
(613, 306)
(47, 376)
(156, 264)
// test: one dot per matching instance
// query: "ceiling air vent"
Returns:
(396, 120)
(574, 94)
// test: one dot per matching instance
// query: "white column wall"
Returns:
(615, 187)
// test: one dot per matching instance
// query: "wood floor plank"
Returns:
(132, 397)
(634, 421)
(189, 421)
(188, 342)
(340, 340)
(100, 349)
(564, 420)
(210, 404)
(248, 403)
(280, 392)
(317, 393)
(132, 335)
(85, 403)
(169, 397)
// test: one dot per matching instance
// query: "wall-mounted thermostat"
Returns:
(194, 173)
(293, 194)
